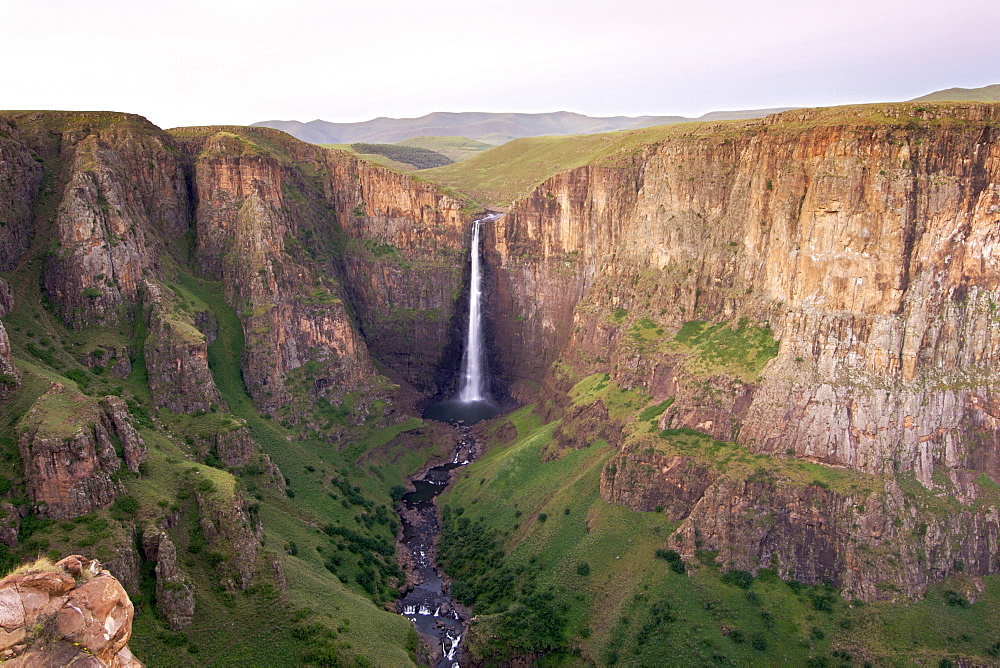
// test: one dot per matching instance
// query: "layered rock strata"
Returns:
(865, 242)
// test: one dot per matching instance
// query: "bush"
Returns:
(673, 558)
(127, 505)
(421, 158)
(741, 579)
(583, 569)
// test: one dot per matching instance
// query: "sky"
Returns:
(209, 62)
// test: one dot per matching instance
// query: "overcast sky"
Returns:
(206, 62)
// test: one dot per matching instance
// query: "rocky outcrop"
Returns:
(882, 544)
(10, 375)
(117, 420)
(116, 359)
(174, 592)
(70, 613)
(177, 357)
(234, 448)
(233, 533)
(647, 480)
(10, 524)
(250, 217)
(68, 452)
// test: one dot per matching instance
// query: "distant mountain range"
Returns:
(499, 128)
(491, 128)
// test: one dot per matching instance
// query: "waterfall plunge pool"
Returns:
(461, 412)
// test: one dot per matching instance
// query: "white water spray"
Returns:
(473, 387)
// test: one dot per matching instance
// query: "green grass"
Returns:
(420, 158)
(627, 607)
(507, 173)
(378, 159)
(737, 349)
(456, 148)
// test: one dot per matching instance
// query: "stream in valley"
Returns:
(437, 617)
(441, 622)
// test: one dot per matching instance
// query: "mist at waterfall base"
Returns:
(473, 401)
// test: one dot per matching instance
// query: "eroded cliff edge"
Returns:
(820, 285)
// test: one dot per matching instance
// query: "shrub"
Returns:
(741, 579)
(583, 569)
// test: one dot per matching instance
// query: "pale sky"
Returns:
(208, 62)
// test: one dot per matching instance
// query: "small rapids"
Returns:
(427, 605)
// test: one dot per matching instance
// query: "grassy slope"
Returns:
(373, 157)
(504, 174)
(989, 93)
(261, 626)
(632, 609)
(456, 148)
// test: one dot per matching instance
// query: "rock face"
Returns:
(177, 357)
(174, 593)
(870, 248)
(875, 545)
(292, 313)
(20, 178)
(404, 266)
(9, 374)
(118, 421)
(864, 240)
(68, 453)
(121, 192)
(232, 531)
(72, 613)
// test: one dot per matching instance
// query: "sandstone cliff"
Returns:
(303, 238)
(70, 613)
(404, 264)
(9, 373)
(853, 241)
(68, 453)
(817, 284)
(20, 178)
(122, 198)
(176, 354)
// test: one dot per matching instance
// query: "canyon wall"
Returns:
(869, 250)
(819, 285)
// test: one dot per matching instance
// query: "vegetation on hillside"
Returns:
(455, 148)
(502, 175)
(421, 158)
(553, 570)
(332, 528)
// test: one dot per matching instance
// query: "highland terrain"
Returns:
(750, 367)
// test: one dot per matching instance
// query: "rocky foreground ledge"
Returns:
(71, 613)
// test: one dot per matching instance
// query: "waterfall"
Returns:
(473, 401)
(474, 381)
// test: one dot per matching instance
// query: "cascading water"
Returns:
(428, 604)
(473, 377)
(473, 401)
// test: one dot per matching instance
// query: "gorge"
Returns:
(751, 369)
